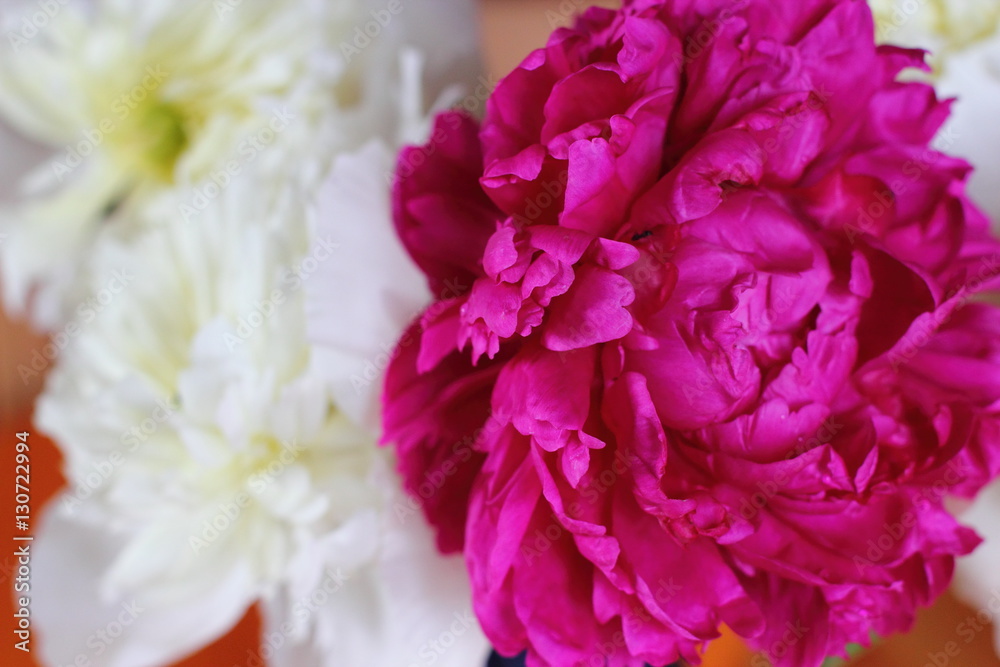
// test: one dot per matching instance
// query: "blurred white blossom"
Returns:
(241, 210)
(941, 26)
(209, 467)
(138, 100)
(963, 37)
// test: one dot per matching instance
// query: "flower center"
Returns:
(161, 138)
(151, 139)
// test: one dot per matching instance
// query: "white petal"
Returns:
(973, 76)
(69, 560)
(410, 606)
(359, 304)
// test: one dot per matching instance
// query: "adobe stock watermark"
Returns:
(563, 14)
(924, 330)
(374, 368)
(902, 13)
(229, 512)
(389, 350)
(893, 533)
(591, 490)
(245, 153)
(767, 489)
(292, 280)
(225, 7)
(86, 312)
(121, 108)
(652, 265)
(967, 630)
(100, 641)
(433, 649)
(33, 23)
(102, 470)
(793, 634)
(364, 35)
(871, 218)
(434, 480)
(302, 610)
(695, 45)
(665, 591)
(551, 194)
(415, 158)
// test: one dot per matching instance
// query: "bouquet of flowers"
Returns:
(683, 325)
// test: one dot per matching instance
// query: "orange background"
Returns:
(511, 28)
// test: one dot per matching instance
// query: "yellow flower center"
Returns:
(151, 138)
(161, 138)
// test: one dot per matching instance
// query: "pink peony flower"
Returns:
(703, 351)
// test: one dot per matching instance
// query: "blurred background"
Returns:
(510, 30)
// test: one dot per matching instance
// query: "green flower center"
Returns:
(157, 137)
(164, 138)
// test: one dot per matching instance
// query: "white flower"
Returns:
(134, 98)
(209, 466)
(963, 37)
(943, 26)
(141, 100)
(354, 342)
(214, 458)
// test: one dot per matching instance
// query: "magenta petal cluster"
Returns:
(706, 349)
